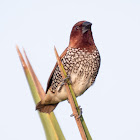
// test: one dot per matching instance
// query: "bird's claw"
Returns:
(72, 115)
(67, 80)
(64, 81)
(80, 114)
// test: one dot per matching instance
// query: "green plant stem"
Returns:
(64, 75)
(76, 104)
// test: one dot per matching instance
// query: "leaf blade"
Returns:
(49, 122)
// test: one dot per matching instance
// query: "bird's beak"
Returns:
(86, 26)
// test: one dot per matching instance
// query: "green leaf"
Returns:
(49, 121)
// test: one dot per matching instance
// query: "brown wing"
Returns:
(50, 78)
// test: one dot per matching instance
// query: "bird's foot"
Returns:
(64, 81)
(80, 113)
(73, 115)
(67, 80)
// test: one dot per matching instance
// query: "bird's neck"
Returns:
(84, 42)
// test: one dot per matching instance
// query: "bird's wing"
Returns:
(50, 78)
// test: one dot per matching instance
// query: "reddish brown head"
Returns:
(81, 36)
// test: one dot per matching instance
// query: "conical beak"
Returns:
(86, 26)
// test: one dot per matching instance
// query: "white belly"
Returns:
(79, 85)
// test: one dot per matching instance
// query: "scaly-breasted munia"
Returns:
(81, 61)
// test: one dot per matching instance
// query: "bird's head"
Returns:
(81, 35)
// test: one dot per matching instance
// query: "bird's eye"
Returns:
(77, 27)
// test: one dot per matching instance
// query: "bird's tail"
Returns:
(45, 108)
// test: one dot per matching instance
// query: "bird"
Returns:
(81, 61)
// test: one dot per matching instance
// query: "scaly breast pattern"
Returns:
(81, 66)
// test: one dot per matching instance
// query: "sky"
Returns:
(111, 106)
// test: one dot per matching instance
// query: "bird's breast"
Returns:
(81, 66)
